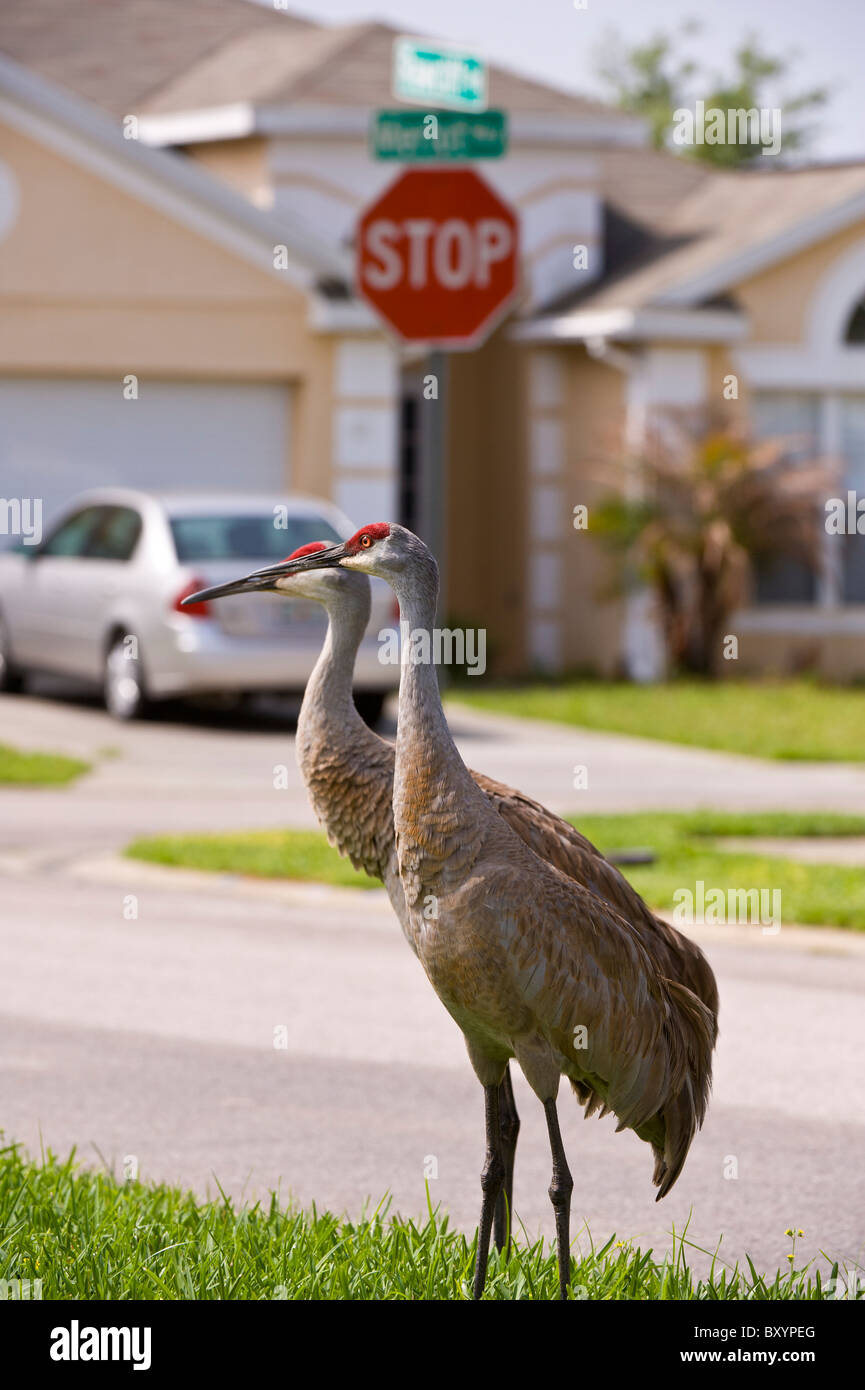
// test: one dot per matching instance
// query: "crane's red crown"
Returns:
(362, 539)
(306, 550)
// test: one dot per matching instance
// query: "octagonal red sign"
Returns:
(437, 257)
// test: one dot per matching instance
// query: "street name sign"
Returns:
(426, 72)
(413, 135)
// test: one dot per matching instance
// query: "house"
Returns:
(154, 158)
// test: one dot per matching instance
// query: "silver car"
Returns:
(99, 599)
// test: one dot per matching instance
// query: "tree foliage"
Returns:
(654, 79)
(712, 505)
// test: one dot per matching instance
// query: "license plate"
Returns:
(261, 614)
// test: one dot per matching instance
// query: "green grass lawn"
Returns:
(292, 854)
(816, 894)
(86, 1236)
(686, 850)
(793, 719)
(21, 769)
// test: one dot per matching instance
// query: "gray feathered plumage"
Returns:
(596, 949)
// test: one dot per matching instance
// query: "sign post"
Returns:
(437, 257)
(434, 477)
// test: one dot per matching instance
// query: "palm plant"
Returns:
(711, 506)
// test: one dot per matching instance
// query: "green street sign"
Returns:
(415, 135)
(427, 72)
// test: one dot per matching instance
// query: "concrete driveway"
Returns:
(154, 1037)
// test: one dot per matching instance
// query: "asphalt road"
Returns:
(154, 1037)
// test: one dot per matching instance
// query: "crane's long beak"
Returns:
(252, 583)
(266, 578)
(316, 560)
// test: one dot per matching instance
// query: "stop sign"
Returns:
(437, 256)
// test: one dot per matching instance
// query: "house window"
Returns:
(793, 417)
(852, 577)
(796, 417)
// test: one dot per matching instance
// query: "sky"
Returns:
(555, 41)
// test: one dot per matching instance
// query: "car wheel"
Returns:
(370, 704)
(11, 678)
(124, 689)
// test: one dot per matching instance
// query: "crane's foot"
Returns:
(561, 1188)
(492, 1180)
(509, 1127)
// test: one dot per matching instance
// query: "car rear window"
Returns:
(262, 537)
(116, 535)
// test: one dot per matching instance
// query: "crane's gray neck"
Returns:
(328, 710)
(348, 769)
(430, 777)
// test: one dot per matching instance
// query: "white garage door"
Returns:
(58, 437)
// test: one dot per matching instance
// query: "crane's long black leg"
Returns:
(561, 1188)
(509, 1124)
(492, 1177)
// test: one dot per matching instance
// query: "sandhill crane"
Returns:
(348, 770)
(530, 963)
(349, 774)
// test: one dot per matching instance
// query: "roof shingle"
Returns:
(118, 53)
(161, 56)
(727, 215)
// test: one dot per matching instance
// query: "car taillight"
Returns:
(195, 610)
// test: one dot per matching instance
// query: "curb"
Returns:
(373, 904)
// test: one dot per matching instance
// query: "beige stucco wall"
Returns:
(488, 505)
(80, 238)
(594, 418)
(836, 656)
(93, 282)
(777, 299)
(242, 164)
(486, 531)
